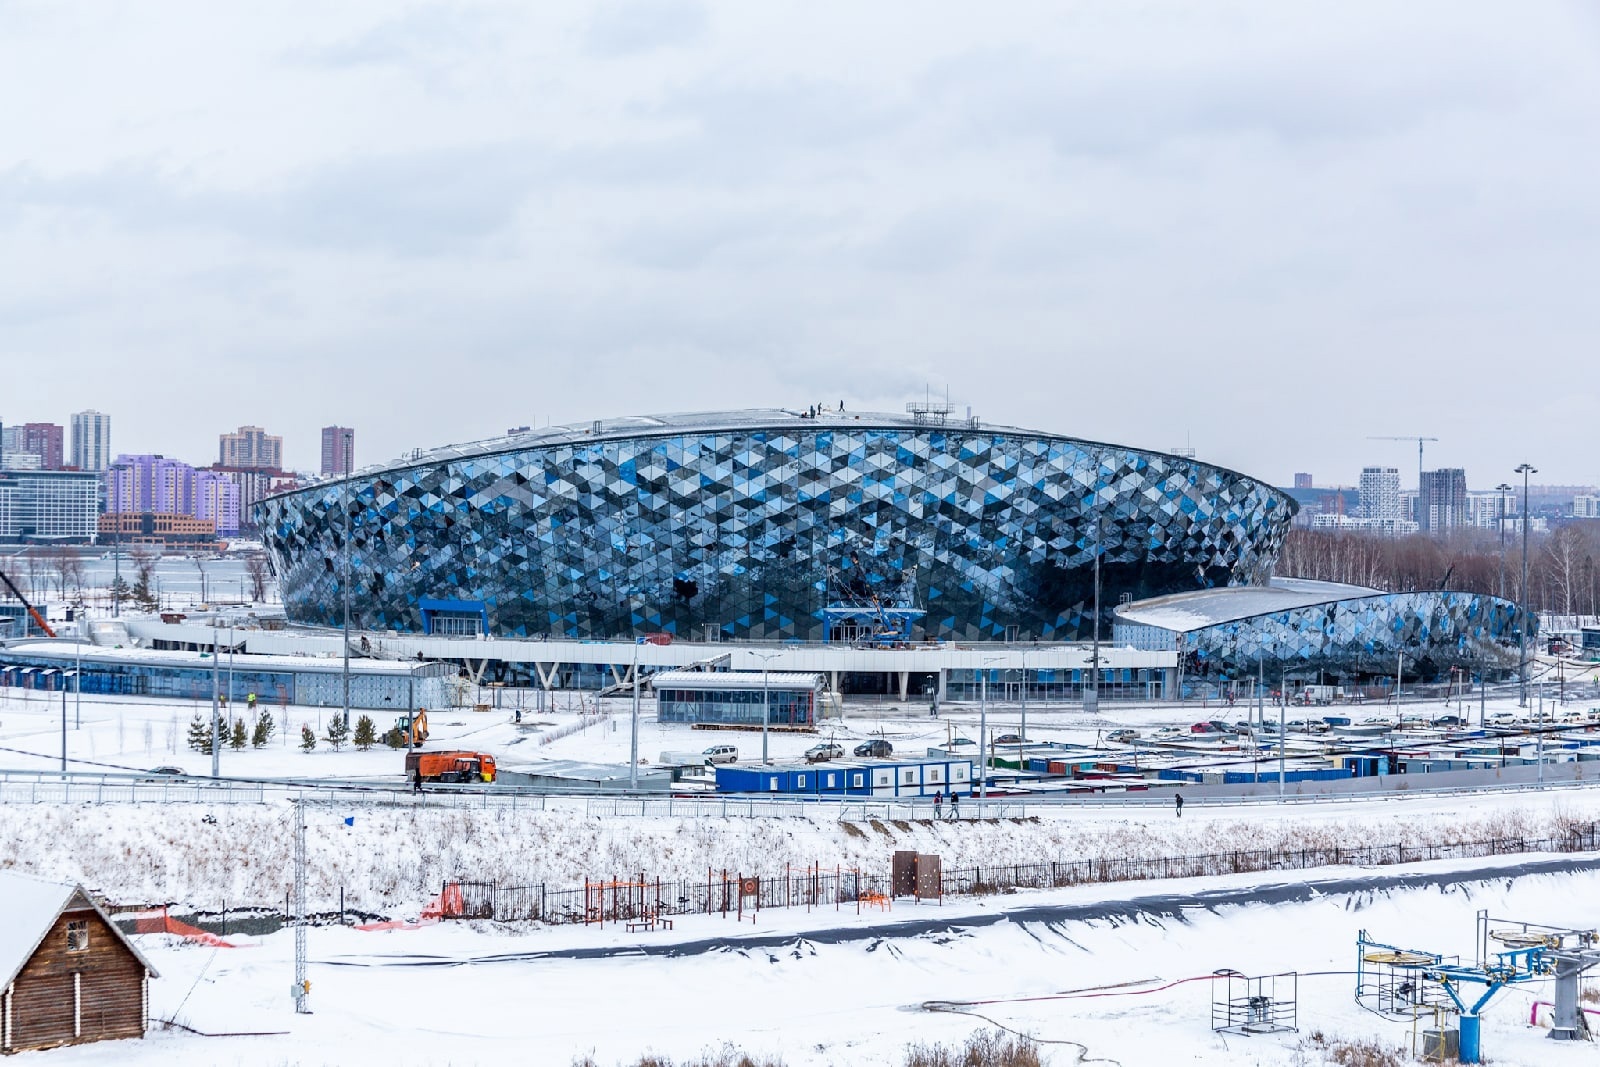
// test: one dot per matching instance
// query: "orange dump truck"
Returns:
(450, 766)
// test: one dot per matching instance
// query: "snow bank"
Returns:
(391, 860)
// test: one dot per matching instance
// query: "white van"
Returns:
(722, 754)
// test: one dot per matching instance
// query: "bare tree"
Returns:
(200, 566)
(259, 572)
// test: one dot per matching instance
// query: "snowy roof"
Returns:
(66, 655)
(734, 680)
(32, 906)
(703, 422)
(1186, 612)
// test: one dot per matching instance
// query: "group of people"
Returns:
(938, 805)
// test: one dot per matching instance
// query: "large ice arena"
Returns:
(780, 525)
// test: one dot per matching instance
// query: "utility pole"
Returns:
(1522, 627)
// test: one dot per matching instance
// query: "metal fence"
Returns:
(632, 898)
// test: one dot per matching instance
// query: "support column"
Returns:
(905, 685)
(944, 679)
(1568, 1023)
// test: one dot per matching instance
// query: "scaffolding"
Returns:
(1263, 1004)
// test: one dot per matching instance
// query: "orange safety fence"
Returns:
(166, 924)
(449, 904)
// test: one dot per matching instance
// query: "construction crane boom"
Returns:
(37, 618)
(1419, 439)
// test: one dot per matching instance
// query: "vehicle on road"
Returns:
(155, 774)
(877, 748)
(1008, 739)
(722, 754)
(450, 766)
(1123, 736)
(823, 752)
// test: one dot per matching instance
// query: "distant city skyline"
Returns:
(1267, 231)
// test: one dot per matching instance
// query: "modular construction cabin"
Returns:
(853, 778)
(68, 975)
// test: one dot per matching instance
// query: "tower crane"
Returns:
(1419, 439)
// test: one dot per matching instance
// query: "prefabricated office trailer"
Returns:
(854, 778)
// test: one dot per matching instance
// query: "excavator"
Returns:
(410, 730)
(38, 620)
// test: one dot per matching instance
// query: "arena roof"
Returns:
(711, 422)
(1186, 612)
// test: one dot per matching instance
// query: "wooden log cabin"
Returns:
(67, 974)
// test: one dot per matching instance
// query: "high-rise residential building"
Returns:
(1303, 481)
(1380, 493)
(45, 440)
(338, 450)
(251, 448)
(217, 499)
(1586, 506)
(149, 484)
(1442, 500)
(91, 441)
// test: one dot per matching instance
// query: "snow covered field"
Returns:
(451, 994)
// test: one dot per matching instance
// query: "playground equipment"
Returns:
(1402, 983)
(1266, 1004)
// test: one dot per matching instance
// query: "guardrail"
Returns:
(52, 787)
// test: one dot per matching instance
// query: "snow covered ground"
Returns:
(1133, 989)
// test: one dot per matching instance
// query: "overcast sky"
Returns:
(1267, 230)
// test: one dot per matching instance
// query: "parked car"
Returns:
(1123, 737)
(1244, 727)
(1220, 727)
(877, 748)
(722, 754)
(1449, 720)
(823, 752)
(962, 742)
(1008, 739)
(155, 774)
(1203, 728)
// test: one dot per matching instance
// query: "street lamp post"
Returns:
(1522, 627)
(1503, 488)
(216, 714)
(633, 741)
(1094, 704)
(766, 702)
(1023, 673)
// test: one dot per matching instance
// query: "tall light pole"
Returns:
(633, 741)
(1092, 702)
(216, 715)
(1503, 488)
(344, 588)
(983, 727)
(1522, 627)
(766, 703)
(1023, 674)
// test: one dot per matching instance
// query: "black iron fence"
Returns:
(636, 897)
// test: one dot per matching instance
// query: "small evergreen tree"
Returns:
(338, 731)
(239, 737)
(308, 739)
(200, 735)
(263, 731)
(366, 733)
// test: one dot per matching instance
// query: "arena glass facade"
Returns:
(1425, 633)
(748, 524)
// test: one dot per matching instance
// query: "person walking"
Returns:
(955, 804)
(416, 780)
(1177, 800)
(938, 805)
